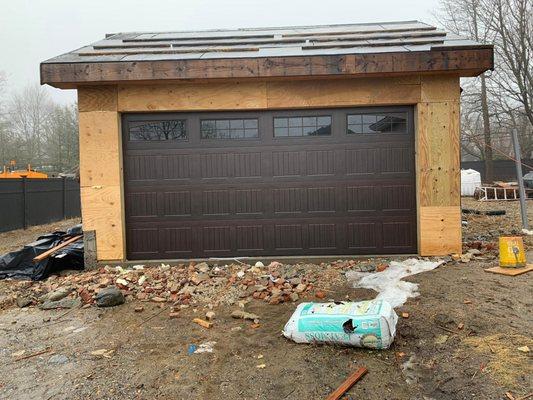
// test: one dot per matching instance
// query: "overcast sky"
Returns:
(34, 30)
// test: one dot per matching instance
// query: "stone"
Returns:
(240, 314)
(202, 267)
(63, 303)
(109, 297)
(294, 296)
(259, 264)
(139, 309)
(295, 281)
(122, 282)
(319, 294)
(300, 288)
(56, 295)
(23, 301)
(58, 359)
(210, 315)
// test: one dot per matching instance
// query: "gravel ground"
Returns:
(461, 340)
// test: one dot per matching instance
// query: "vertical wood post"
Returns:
(64, 191)
(24, 204)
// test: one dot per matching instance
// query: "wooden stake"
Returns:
(347, 384)
(203, 323)
(49, 252)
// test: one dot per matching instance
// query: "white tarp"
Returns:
(389, 284)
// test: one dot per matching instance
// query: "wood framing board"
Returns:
(268, 95)
(510, 271)
(439, 230)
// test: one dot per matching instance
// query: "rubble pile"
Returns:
(193, 284)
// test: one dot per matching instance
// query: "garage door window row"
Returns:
(248, 128)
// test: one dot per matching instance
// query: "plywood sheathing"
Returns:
(101, 170)
(438, 167)
(437, 140)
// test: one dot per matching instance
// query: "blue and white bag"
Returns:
(369, 324)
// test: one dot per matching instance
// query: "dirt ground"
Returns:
(13, 240)
(461, 340)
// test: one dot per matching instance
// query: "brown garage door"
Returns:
(308, 182)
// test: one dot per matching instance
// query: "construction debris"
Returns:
(203, 323)
(109, 297)
(239, 314)
(347, 384)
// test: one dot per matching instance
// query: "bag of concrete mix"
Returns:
(369, 324)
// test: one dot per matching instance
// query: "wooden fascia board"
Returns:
(65, 75)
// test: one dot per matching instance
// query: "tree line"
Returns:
(498, 101)
(38, 131)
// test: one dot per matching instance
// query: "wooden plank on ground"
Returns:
(347, 384)
(510, 271)
(49, 252)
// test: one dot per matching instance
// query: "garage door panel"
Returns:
(224, 197)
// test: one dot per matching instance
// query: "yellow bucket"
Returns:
(512, 254)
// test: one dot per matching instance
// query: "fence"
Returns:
(26, 202)
(504, 170)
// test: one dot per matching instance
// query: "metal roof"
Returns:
(388, 37)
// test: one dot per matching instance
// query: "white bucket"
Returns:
(470, 180)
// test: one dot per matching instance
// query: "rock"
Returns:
(141, 280)
(259, 264)
(300, 288)
(23, 301)
(240, 314)
(139, 309)
(158, 299)
(319, 294)
(122, 282)
(295, 281)
(199, 278)
(109, 297)
(202, 267)
(381, 267)
(174, 314)
(58, 359)
(474, 252)
(56, 295)
(294, 296)
(63, 303)
(441, 339)
(210, 315)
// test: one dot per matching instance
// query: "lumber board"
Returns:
(510, 271)
(101, 211)
(347, 384)
(439, 230)
(440, 88)
(51, 251)
(473, 61)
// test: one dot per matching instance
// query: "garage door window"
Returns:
(157, 130)
(377, 123)
(229, 128)
(302, 126)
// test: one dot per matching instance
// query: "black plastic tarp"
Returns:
(19, 264)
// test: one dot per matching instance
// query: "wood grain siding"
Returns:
(437, 161)
(101, 170)
(462, 61)
(438, 167)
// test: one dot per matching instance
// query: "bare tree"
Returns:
(28, 112)
(512, 24)
(61, 138)
(462, 17)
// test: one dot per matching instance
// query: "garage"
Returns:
(327, 140)
(325, 182)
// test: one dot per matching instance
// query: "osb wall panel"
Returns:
(438, 166)
(437, 140)
(101, 169)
